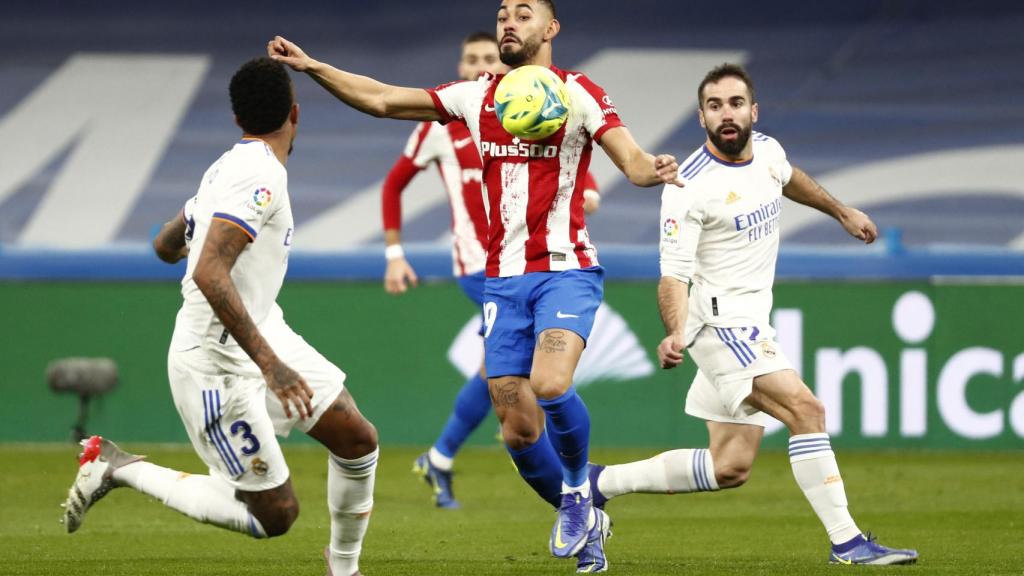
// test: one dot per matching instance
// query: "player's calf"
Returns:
(275, 509)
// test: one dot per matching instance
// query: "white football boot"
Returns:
(96, 465)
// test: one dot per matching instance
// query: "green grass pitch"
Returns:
(964, 512)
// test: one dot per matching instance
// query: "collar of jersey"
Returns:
(725, 162)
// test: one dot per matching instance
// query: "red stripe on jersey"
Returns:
(472, 186)
(391, 193)
(544, 173)
(611, 114)
(445, 117)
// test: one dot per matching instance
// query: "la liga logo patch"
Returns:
(261, 197)
(670, 227)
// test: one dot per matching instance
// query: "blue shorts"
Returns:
(518, 308)
(473, 286)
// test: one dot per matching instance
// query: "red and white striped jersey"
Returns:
(534, 189)
(451, 148)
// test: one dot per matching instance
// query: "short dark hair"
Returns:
(261, 95)
(725, 71)
(480, 36)
(551, 6)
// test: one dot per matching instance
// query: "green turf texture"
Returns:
(964, 512)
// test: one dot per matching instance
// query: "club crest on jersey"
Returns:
(259, 467)
(767, 350)
(775, 175)
(670, 227)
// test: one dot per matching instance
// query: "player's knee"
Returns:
(276, 519)
(732, 475)
(364, 438)
(551, 386)
(519, 433)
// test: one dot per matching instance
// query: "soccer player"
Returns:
(543, 279)
(721, 237)
(238, 373)
(451, 148)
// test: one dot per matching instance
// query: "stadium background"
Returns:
(110, 113)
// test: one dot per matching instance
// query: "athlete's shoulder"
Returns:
(766, 144)
(695, 167)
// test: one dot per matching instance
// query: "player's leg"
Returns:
(472, 404)
(726, 463)
(564, 306)
(784, 395)
(351, 472)
(231, 432)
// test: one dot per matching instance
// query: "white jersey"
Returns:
(247, 188)
(720, 233)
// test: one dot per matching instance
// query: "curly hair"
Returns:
(261, 96)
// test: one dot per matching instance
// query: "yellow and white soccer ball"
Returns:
(531, 102)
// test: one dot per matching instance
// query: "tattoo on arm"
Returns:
(224, 243)
(553, 342)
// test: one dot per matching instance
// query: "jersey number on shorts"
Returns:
(490, 315)
(254, 443)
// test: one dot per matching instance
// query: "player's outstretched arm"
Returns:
(360, 92)
(224, 242)
(169, 244)
(673, 304)
(642, 168)
(805, 190)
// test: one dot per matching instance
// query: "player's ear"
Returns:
(293, 116)
(753, 113)
(700, 116)
(552, 30)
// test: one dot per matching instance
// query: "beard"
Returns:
(527, 50)
(730, 147)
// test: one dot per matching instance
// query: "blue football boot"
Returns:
(571, 527)
(439, 480)
(591, 558)
(865, 550)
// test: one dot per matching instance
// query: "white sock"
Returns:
(203, 498)
(672, 472)
(817, 473)
(350, 500)
(583, 489)
(440, 461)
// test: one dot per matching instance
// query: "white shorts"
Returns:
(728, 360)
(232, 417)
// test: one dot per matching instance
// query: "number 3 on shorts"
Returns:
(490, 315)
(246, 430)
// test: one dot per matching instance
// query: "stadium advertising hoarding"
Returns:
(901, 365)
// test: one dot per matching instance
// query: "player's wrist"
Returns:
(394, 252)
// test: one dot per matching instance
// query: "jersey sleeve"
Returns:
(682, 219)
(779, 163)
(453, 100)
(188, 216)
(249, 203)
(599, 113)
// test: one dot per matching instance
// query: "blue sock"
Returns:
(539, 466)
(471, 407)
(569, 427)
(850, 544)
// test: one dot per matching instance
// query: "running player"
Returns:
(238, 373)
(543, 279)
(451, 148)
(722, 237)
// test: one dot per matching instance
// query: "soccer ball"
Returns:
(531, 102)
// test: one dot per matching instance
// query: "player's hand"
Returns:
(858, 224)
(398, 276)
(288, 53)
(591, 201)
(670, 351)
(290, 388)
(668, 169)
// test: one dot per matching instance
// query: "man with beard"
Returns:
(238, 373)
(544, 283)
(722, 234)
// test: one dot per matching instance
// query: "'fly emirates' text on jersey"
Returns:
(247, 188)
(720, 233)
(451, 147)
(534, 188)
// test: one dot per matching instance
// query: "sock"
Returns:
(472, 405)
(440, 461)
(350, 500)
(569, 429)
(204, 498)
(539, 466)
(672, 472)
(817, 473)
